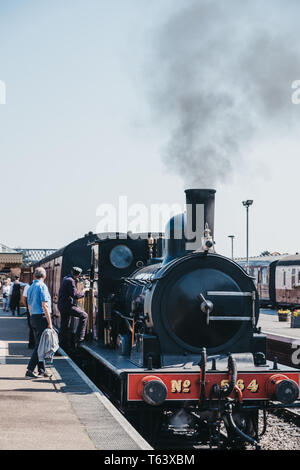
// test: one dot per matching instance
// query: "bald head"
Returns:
(40, 273)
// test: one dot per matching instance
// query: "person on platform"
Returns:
(39, 305)
(15, 295)
(67, 305)
(5, 295)
(31, 341)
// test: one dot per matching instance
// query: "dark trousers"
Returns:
(31, 341)
(38, 324)
(14, 304)
(66, 314)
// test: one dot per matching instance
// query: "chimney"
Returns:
(200, 211)
(200, 205)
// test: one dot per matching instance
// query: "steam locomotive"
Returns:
(172, 335)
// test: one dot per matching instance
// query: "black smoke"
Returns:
(221, 76)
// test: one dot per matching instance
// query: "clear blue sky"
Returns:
(77, 128)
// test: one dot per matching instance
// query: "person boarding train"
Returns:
(67, 305)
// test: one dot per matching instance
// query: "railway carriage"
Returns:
(262, 269)
(277, 280)
(286, 289)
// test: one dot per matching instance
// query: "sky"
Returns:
(99, 92)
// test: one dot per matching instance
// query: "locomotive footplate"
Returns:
(256, 385)
(182, 382)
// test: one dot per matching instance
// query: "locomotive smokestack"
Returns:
(200, 204)
(185, 233)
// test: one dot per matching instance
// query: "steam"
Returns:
(221, 77)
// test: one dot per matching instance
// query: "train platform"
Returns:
(283, 342)
(65, 412)
(269, 323)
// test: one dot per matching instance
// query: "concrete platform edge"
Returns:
(129, 429)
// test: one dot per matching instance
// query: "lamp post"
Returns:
(232, 237)
(247, 204)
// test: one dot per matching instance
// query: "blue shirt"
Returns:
(37, 293)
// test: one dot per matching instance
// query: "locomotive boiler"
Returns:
(192, 300)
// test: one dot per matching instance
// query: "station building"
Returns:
(10, 262)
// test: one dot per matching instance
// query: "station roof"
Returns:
(9, 257)
(270, 257)
(6, 249)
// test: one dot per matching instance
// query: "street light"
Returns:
(247, 204)
(232, 237)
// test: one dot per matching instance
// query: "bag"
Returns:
(48, 344)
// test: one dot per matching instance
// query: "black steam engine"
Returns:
(172, 334)
(178, 344)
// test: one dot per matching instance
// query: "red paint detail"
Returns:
(262, 378)
(274, 381)
(239, 393)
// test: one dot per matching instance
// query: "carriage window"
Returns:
(284, 278)
(298, 277)
(264, 275)
(293, 277)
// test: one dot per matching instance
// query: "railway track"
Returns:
(283, 433)
(288, 415)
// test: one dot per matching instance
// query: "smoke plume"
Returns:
(221, 76)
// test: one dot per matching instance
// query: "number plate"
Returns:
(187, 386)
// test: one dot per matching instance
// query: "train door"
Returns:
(295, 291)
(280, 285)
(264, 284)
(56, 285)
(297, 286)
(50, 277)
(26, 276)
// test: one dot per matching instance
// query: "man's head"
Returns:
(75, 271)
(40, 273)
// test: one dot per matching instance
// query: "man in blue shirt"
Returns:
(39, 305)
